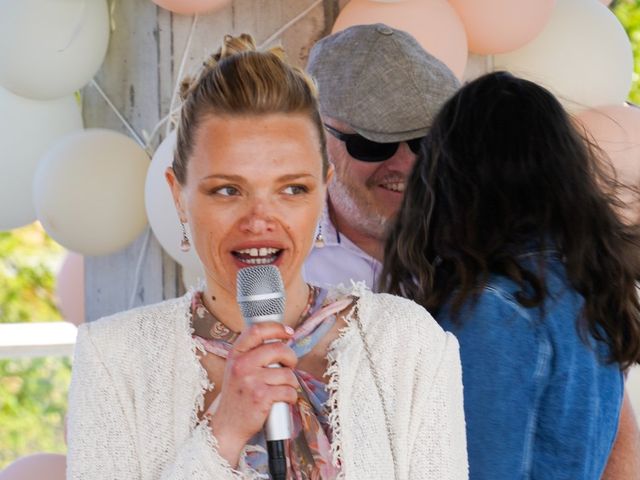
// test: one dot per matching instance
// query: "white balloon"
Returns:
(49, 49)
(161, 210)
(27, 129)
(583, 55)
(89, 191)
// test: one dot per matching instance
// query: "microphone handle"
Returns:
(278, 425)
(277, 459)
(277, 429)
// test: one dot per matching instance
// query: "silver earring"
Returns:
(185, 244)
(319, 242)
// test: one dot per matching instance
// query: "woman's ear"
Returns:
(176, 192)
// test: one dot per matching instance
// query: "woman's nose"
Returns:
(258, 220)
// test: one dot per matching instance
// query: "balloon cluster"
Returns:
(85, 186)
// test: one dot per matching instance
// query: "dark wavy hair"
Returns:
(504, 168)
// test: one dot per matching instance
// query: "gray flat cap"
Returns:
(380, 81)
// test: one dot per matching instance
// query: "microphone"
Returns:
(260, 295)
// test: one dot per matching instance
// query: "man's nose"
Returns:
(403, 159)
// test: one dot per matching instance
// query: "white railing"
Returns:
(43, 339)
(38, 339)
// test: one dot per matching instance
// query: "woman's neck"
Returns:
(223, 304)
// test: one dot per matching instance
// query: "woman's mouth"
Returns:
(258, 256)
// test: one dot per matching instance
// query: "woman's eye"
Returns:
(295, 190)
(226, 191)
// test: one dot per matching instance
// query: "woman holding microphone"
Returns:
(182, 389)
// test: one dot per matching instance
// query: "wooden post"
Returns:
(139, 77)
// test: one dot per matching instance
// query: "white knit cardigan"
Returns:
(137, 387)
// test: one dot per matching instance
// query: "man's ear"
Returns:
(176, 192)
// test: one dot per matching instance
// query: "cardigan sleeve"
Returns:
(198, 459)
(102, 437)
(440, 449)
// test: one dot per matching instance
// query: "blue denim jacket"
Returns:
(539, 403)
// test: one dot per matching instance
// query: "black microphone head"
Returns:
(260, 293)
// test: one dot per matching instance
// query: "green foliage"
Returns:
(628, 12)
(33, 403)
(33, 390)
(28, 260)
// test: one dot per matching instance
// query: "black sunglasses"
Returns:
(366, 150)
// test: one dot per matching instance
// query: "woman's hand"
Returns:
(249, 387)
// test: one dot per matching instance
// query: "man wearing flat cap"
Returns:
(379, 92)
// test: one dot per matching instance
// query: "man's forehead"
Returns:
(346, 127)
(341, 125)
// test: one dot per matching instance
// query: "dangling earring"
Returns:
(185, 244)
(319, 242)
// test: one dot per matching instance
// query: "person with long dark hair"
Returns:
(508, 234)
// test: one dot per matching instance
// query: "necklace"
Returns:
(207, 326)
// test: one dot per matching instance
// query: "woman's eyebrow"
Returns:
(239, 178)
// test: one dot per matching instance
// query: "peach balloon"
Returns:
(606, 2)
(433, 23)
(190, 7)
(616, 130)
(498, 26)
(70, 288)
(49, 466)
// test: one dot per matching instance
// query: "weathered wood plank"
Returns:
(130, 78)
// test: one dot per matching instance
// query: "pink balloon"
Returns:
(499, 26)
(70, 288)
(616, 130)
(433, 23)
(39, 466)
(606, 2)
(190, 7)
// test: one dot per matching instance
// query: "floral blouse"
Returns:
(309, 451)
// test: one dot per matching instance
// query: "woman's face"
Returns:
(253, 194)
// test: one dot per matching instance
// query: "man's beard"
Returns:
(361, 214)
